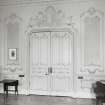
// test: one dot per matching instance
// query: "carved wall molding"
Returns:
(50, 17)
(87, 82)
(92, 12)
(13, 68)
(92, 68)
(13, 18)
(92, 41)
(15, 22)
(27, 2)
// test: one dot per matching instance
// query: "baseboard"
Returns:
(71, 94)
(23, 91)
(84, 95)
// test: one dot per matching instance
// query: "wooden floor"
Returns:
(44, 100)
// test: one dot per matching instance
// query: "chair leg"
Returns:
(99, 102)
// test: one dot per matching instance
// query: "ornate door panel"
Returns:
(51, 63)
(39, 62)
(62, 62)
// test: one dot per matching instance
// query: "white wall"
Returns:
(23, 14)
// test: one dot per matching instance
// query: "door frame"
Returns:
(30, 32)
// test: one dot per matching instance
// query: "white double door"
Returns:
(51, 63)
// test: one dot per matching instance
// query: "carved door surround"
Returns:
(47, 67)
(50, 21)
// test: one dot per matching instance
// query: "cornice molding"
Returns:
(23, 2)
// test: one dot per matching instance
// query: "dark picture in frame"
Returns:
(12, 53)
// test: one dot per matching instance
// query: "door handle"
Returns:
(51, 70)
(46, 74)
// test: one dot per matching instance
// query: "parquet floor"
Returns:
(44, 100)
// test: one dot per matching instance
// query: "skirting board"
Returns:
(74, 95)
(71, 94)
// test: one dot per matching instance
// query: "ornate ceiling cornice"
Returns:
(20, 2)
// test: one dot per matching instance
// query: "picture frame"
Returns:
(12, 53)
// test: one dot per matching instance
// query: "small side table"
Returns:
(6, 84)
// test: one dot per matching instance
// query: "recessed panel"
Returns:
(61, 84)
(61, 48)
(38, 83)
(92, 41)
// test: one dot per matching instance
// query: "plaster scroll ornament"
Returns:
(13, 68)
(92, 68)
(91, 11)
(13, 18)
(50, 17)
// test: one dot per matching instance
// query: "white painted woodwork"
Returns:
(92, 41)
(1, 38)
(13, 24)
(62, 61)
(12, 38)
(92, 56)
(39, 61)
(39, 18)
(51, 50)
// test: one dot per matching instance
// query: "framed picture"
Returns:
(12, 54)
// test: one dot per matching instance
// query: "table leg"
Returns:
(5, 93)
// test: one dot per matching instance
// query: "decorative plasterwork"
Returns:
(92, 68)
(92, 12)
(92, 41)
(13, 18)
(16, 22)
(50, 17)
(13, 68)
